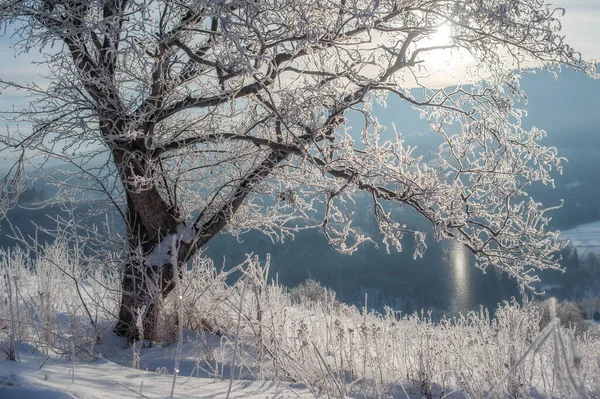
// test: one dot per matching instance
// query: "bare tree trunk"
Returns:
(143, 287)
(150, 219)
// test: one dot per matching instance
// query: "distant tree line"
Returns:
(32, 194)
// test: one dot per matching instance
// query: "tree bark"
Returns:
(142, 288)
(144, 284)
(149, 220)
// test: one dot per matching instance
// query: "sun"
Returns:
(441, 60)
(444, 62)
(436, 54)
(442, 35)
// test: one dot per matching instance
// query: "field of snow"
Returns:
(585, 237)
(102, 379)
(37, 377)
(56, 321)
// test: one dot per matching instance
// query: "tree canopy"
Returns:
(233, 114)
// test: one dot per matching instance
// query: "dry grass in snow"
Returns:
(57, 312)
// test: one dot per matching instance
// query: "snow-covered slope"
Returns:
(585, 237)
(272, 346)
(36, 377)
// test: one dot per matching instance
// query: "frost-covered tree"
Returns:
(232, 114)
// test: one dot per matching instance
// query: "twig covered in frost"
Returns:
(561, 366)
(333, 378)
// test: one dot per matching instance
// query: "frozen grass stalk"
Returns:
(237, 332)
(12, 351)
(72, 362)
(175, 265)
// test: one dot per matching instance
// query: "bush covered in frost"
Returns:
(311, 291)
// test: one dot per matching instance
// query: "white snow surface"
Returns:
(585, 237)
(161, 254)
(185, 234)
(39, 377)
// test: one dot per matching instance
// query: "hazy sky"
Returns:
(581, 25)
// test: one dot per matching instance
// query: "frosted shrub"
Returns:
(207, 300)
(16, 266)
(60, 299)
(514, 328)
(570, 315)
(311, 291)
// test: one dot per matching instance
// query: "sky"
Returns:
(581, 26)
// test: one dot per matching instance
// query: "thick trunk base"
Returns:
(143, 287)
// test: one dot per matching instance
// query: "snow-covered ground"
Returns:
(585, 237)
(37, 376)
